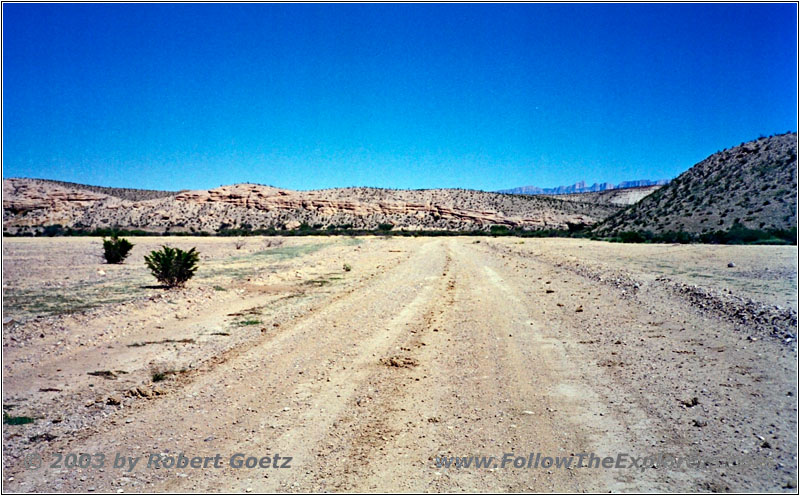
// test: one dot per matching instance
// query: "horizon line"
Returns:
(498, 191)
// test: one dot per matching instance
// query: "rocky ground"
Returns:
(365, 359)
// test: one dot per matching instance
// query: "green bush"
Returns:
(172, 266)
(116, 249)
(9, 420)
(740, 235)
(632, 237)
(736, 235)
(499, 230)
(54, 230)
(681, 237)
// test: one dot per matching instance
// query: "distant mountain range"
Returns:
(580, 187)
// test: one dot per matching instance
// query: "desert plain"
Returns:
(366, 359)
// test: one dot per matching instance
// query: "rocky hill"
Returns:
(753, 185)
(31, 204)
(124, 193)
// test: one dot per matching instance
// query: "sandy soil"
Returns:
(426, 348)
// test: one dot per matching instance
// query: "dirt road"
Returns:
(426, 349)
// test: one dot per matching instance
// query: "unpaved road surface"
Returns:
(367, 360)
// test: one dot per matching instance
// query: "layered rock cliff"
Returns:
(30, 204)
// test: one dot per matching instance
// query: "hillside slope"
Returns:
(753, 185)
(124, 193)
(617, 196)
(30, 204)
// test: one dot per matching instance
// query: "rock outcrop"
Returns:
(31, 204)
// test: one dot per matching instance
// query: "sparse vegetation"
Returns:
(737, 235)
(339, 231)
(163, 341)
(53, 230)
(272, 243)
(107, 374)
(162, 373)
(347, 267)
(499, 230)
(116, 250)
(559, 276)
(172, 266)
(248, 322)
(16, 420)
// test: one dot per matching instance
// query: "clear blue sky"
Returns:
(404, 96)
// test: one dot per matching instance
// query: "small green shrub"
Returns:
(11, 420)
(499, 230)
(115, 250)
(172, 266)
(248, 322)
(347, 267)
(632, 237)
(54, 230)
(161, 373)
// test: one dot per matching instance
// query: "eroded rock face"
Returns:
(35, 203)
(22, 195)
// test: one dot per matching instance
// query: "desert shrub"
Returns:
(54, 230)
(739, 234)
(12, 420)
(271, 243)
(172, 266)
(498, 229)
(385, 227)
(788, 235)
(632, 237)
(115, 250)
(347, 268)
(162, 372)
(674, 237)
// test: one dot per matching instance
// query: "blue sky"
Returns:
(308, 96)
